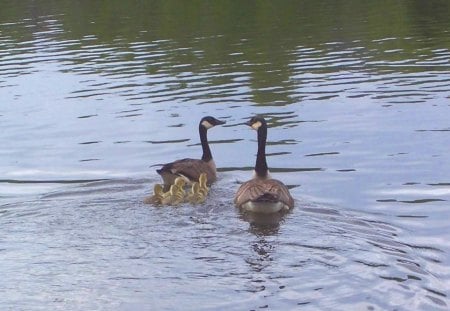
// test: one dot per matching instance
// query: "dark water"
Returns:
(95, 92)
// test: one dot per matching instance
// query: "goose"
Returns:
(262, 194)
(190, 169)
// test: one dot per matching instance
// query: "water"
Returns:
(357, 98)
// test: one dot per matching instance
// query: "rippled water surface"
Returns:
(357, 97)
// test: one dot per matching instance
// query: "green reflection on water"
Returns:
(263, 39)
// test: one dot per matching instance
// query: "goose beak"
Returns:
(220, 122)
(248, 123)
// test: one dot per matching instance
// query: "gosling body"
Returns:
(203, 184)
(176, 193)
(196, 196)
(158, 195)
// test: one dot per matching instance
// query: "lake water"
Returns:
(357, 97)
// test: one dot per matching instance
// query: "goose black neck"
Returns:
(207, 156)
(261, 168)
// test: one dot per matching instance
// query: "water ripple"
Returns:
(358, 117)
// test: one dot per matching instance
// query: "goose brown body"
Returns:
(264, 195)
(189, 169)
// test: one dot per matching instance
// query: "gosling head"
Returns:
(180, 182)
(209, 122)
(256, 122)
(158, 189)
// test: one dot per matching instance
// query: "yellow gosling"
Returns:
(178, 194)
(202, 184)
(175, 196)
(180, 182)
(157, 197)
(195, 196)
(168, 197)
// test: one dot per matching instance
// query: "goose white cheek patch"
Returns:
(256, 125)
(207, 125)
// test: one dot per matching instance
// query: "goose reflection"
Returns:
(265, 228)
(263, 224)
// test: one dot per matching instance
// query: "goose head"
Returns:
(256, 122)
(209, 122)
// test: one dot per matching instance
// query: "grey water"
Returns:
(94, 93)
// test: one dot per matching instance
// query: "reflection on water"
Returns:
(262, 224)
(96, 93)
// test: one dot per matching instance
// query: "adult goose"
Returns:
(262, 194)
(190, 169)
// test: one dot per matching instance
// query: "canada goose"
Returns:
(262, 194)
(157, 197)
(196, 196)
(190, 169)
